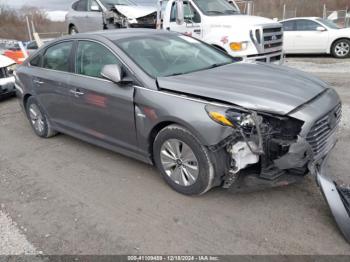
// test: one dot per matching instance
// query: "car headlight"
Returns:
(230, 117)
(239, 46)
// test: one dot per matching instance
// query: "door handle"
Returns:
(38, 82)
(197, 31)
(76, 92)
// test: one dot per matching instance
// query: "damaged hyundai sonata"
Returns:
(204, 119)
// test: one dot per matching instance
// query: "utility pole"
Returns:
(249, 7)
(28, 28)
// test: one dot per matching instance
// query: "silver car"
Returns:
(93, 15)
(7, 80)
(202, 118)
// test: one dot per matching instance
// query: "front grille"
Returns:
(321, 132)
(272, 38)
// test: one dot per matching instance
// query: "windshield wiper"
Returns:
(215, 12)
(231, 12)
(216, 65)
(175, 74)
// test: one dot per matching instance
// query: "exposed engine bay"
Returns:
(264, 149)
(121, 16)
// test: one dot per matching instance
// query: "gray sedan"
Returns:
(202, 118)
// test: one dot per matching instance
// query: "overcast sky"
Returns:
(49, 4)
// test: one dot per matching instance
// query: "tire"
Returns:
(179, 170)
(38, 120)
(341, 48)
(73, 30)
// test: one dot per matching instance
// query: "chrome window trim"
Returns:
(74, 73)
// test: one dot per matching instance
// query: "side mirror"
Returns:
(112, 73)
(95, 8)
(180, 16)
(321, 29)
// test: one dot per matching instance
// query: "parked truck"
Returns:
(216, 22)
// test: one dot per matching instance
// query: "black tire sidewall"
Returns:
(205, 176)
(73, 28)
(45, 132)
(335, 44)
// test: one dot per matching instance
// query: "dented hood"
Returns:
(256, 86)
(135, 11)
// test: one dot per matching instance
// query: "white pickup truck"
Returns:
(216, 22)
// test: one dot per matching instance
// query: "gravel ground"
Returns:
(75, 198)
(12, 241)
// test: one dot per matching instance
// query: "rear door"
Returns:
(308, 39)
(50, 81)
(102, 109)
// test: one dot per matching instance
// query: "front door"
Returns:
(308, 39)
(192, 26)
(103, 110)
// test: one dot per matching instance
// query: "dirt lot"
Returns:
(64, 196)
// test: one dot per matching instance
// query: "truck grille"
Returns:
(272, 38)
(323, 130)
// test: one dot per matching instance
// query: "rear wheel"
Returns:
(184, 163)
(341, 48)
(38, 119)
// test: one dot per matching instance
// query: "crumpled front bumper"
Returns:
(337, 198)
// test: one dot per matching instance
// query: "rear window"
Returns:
(57, 57)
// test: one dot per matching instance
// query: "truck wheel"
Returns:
(73, 30)
(184, 163)
(38, 119)
(341, 48)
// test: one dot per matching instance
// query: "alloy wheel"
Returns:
(342, 49)
(36, 118)
(179, 162)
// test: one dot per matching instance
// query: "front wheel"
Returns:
(184, 163)
(341, 48)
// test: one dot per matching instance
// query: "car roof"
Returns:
(127, 33)
(301, 18)
(119, 34)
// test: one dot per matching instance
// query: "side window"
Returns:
(57, 57)
(289, 26)
(32, 46)
(306, 25)
(190, 13)
(93, 6)
(81, 6)
(92, 57)
(36, 61)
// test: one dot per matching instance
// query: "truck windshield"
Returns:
(216, 7)
(163, 55)
(117, 2)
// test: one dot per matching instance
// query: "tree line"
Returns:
(13, 22)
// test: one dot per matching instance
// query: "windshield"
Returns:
(216, 7)
(117, 2)
(166, 55)
(329, 23)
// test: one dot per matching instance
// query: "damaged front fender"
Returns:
(338, 200)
